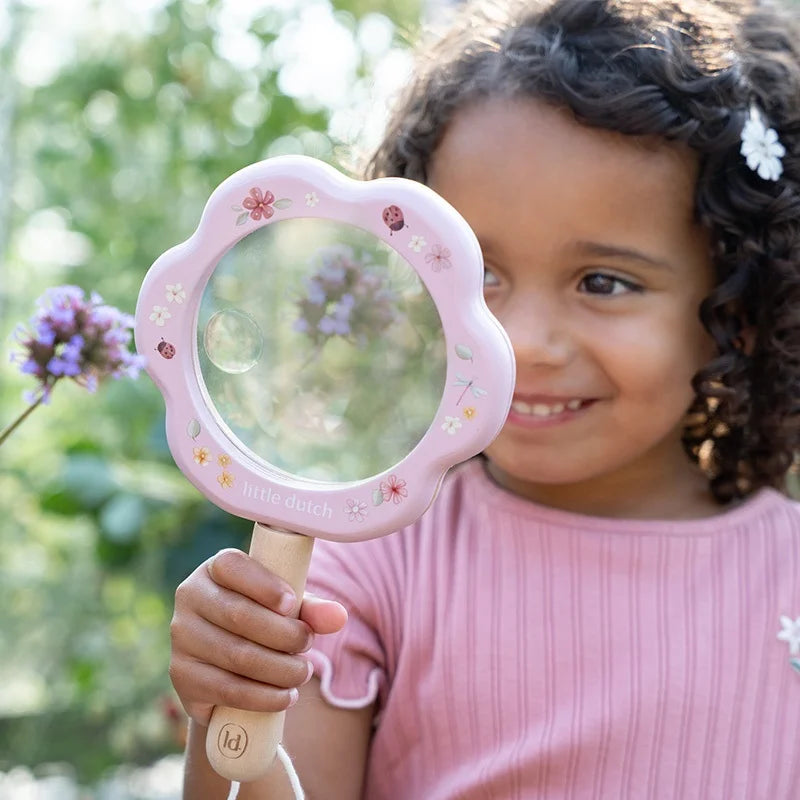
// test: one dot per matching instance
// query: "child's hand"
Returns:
(232, 644)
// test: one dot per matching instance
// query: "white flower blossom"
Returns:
(791, 634)
(356, 510)
(451, 425)
(312, 199)
(160, 315)
(761, 148)
(175, 293)
(417, 244)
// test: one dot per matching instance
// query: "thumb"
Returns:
(323, 616)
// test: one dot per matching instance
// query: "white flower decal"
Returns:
(175, 293)
(356, 510)
(791, 634)
(451, 425)
(417, 244)
(438, 257)
(160, 315)
(761, 148)
(312, 199)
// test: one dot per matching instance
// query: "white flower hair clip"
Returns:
(761, 147)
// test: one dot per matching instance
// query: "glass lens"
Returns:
(321, 350)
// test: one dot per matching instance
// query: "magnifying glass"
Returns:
(325, 356)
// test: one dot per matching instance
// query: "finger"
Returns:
(238, 571)
(323, 616)
(208, 644)
(212, 686)
(248, 619)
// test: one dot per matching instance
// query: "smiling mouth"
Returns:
(542, 410)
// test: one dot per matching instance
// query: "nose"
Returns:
(539, 330)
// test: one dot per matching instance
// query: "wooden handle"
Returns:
(241, 744)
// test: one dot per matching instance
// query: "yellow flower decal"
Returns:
(201, 456)
(469, 412)
(225, 480)
(224, 460)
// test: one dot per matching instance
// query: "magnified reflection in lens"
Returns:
(233, 341)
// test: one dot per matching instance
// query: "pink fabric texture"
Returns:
(520, 652)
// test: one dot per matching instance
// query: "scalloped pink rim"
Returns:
(213, 461)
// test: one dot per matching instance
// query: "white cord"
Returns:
(283, 757)
(291, 774)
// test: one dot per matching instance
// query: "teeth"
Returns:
(544, 410)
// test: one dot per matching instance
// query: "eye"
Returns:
(604, 284)
(489, 278)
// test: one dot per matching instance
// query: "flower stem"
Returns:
(11, 427)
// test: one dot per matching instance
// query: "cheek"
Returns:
(653, 361)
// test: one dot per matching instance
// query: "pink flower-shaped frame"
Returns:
(430, 235)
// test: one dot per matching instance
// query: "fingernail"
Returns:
(310, 673)
(286, 603)
(294, 696)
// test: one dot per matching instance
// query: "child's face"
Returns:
(596, 270)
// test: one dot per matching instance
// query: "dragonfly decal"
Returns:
(469, 385)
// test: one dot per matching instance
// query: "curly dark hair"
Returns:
(688, 73)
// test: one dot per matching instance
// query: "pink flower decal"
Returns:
(394, 489)
(438, 257)
(258, 204)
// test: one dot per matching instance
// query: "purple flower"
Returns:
(316, 293)
(46, 334)
(326, 325)
(345, 306)
(72, 336)
(59, 367)
(331, 325)
(345, 297)
(333, 274)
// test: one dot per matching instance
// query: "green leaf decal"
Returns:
(462, 351)
(284, 202)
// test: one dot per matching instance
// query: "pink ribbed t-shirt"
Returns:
(519, 652)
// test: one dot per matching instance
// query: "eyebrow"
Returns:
(612, 251)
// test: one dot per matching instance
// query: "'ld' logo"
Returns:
(232, 740)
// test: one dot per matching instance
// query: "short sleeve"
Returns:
(352, 663)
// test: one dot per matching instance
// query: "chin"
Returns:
(527, 467)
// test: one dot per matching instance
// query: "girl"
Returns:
(608, 604)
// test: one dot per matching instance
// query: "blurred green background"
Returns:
(117, 119)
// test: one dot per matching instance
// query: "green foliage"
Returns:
(114, 158)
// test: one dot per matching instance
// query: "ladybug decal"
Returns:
(393, 217)
(166, 349)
